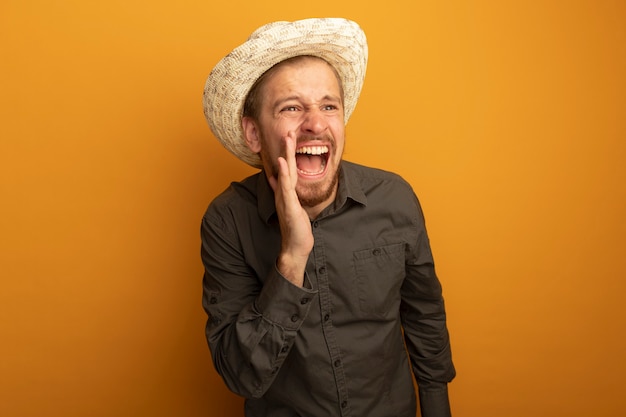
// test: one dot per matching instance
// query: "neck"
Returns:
(315, 211)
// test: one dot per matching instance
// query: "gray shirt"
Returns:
(335, 347)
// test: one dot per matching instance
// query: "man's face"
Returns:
(303, 97)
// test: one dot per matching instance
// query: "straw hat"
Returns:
(340, 42)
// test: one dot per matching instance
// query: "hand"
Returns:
(295, 225)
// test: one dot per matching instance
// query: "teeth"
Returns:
(313, 150)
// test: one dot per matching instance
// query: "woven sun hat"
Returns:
(340, 42)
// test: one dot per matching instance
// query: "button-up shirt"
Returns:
(371, 308)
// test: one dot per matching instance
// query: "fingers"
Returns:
(283, 174)
(290, 157)
(287, 175)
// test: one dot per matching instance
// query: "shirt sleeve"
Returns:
(424, 321)
(252, 324)
(434, 402)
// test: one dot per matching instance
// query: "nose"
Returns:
(314, 122)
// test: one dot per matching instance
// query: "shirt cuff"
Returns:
(434, 402)
(283, 303)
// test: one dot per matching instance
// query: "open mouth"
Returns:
(311, 160)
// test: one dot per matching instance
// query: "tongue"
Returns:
(309, 163)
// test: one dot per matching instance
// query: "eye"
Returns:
(289, 109)
(330, 107)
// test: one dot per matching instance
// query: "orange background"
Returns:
(509, 119)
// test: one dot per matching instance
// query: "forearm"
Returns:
(292, 267)
(425, 329)
(249, 342)
(428, 344)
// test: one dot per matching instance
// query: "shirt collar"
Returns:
(265, 196)
(350, 186)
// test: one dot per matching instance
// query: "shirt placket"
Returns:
(336, 360)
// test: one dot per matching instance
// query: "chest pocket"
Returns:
(379, 273)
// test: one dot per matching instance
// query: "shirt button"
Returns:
(316, 224)
(304, 300)
(326, 317)
(295, 318)
(376, 252)
(213, 300)
(322, 270)
(337, 363)
(344, 404)
(284, 349)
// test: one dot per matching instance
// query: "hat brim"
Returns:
(340, 42)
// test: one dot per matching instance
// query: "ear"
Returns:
(251, 133)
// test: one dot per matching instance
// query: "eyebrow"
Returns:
(327, 97)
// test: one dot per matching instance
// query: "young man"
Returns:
(318, 272)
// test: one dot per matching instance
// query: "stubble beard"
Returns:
(309, 194)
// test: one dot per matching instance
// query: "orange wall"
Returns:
(507, 117)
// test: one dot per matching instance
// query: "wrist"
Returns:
(292, 268)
